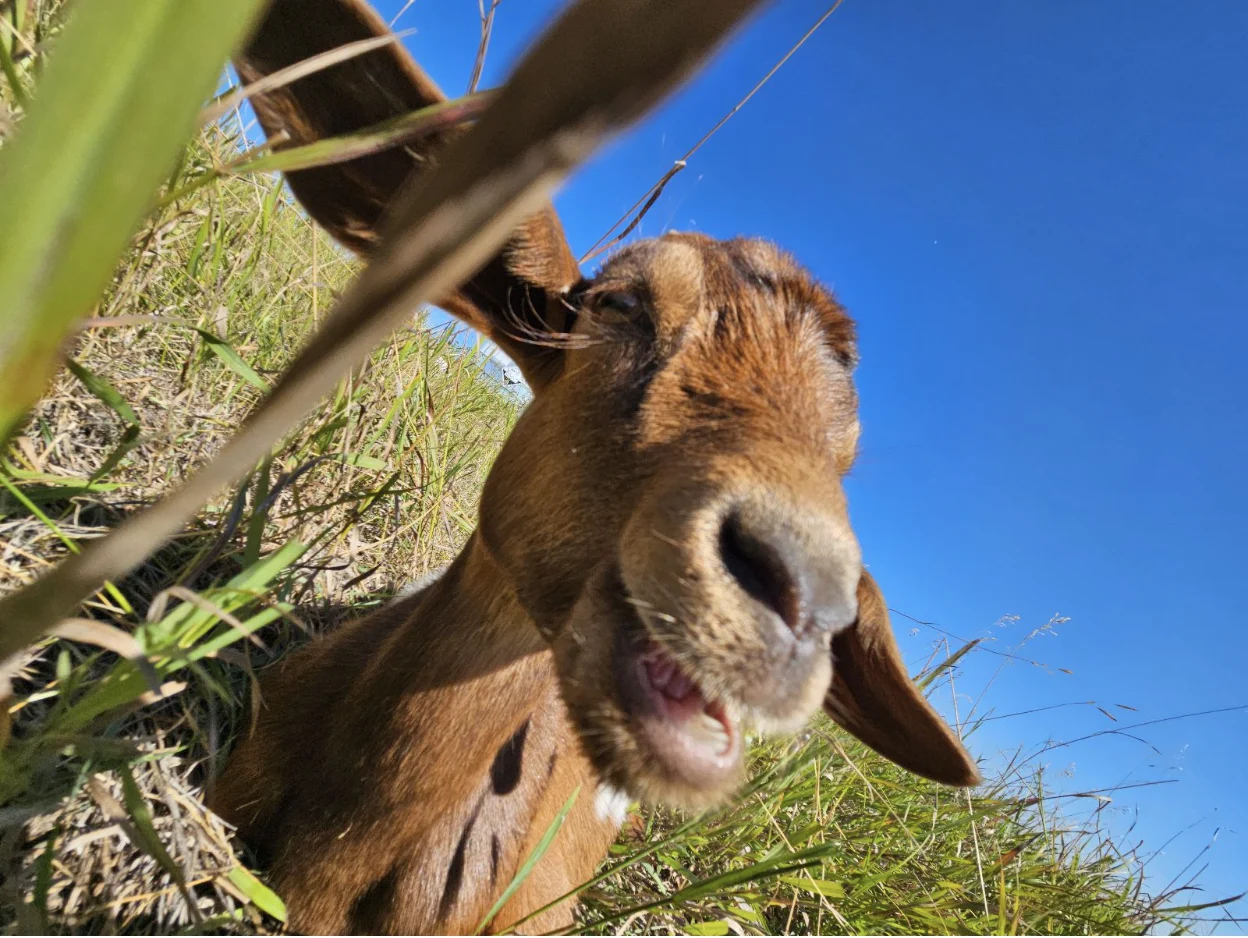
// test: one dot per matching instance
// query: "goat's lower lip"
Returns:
(692, 739)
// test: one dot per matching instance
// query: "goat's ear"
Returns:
(519, 292)
(873, 697)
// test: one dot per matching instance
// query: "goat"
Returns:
(663, 560)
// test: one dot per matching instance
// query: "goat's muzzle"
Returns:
(715, 619)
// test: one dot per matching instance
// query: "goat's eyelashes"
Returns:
(618, 311)
(606, 305)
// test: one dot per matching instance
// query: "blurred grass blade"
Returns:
(43, 877)
(110, 396)
(117, 101)
(1200, 907)
(601, 66)
(129, 440)
(346, 147)
(140, 823)
(382, 136)
(164, 639)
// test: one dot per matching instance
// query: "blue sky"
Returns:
(1038, 213)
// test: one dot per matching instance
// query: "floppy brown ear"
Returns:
(518, 291)
(873, 697)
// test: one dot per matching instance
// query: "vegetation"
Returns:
(111, 735)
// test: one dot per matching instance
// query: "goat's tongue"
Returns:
(704, 722)
(665, 676)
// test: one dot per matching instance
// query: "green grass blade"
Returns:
(341, 149)
(232, 359)
(925, 680)
(718, 927)
(104, 391)
(141, 816)
(260, 895)
(538, 852)
(118, 99)
(17, 89)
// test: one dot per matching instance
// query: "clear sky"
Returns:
(1037, 210)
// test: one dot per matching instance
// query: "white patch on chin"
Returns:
(417, 585)
(611, 804)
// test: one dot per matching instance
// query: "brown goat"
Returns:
(664, 560)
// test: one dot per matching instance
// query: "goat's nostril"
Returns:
(760, 569)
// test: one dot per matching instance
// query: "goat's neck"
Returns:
(462, 669)
(466, 623)
(478, 746)
(404, 767)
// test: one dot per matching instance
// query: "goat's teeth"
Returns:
(713, 732)
(711, 724)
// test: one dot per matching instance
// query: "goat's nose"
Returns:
(800, 570)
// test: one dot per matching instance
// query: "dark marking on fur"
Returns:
(370, 909)
(455, 872)
(496, 850)
(550, 766)
(505, 772)
(642, 366)
(715, 403)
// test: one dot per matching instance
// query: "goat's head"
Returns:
(669, 508)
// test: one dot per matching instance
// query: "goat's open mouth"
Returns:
(693, 739)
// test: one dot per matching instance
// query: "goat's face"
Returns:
(669, 508)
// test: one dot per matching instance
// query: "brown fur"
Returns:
(405, 766)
